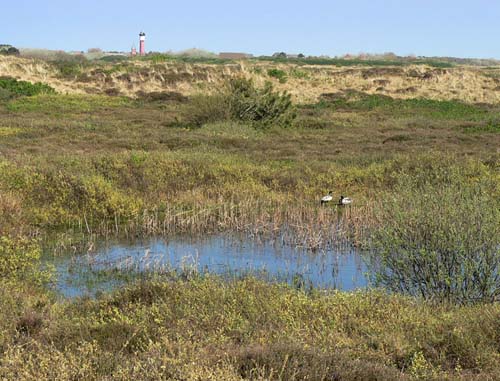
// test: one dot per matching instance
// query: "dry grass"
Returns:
(469, 84)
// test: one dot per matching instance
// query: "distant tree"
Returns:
(9, 50)
(94, 50)
(280, 55)
(13, 51)
(301, 55)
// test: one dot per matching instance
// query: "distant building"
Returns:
(142, 44)
(234, 56)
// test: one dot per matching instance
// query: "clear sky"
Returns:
(459, 28)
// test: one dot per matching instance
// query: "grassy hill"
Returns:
(306, 82)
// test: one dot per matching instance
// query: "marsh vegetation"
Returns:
(77, 170)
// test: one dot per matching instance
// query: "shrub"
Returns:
(248, 103)
(240, 100)
(9, 50)
(440, 239)
(300, 74)
(68, 69)
(68, 65)
(280, 75)
(11, 87)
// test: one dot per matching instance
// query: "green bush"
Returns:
(265, 106)
(241, 101)
(11, 87)
(69, 66)
(300, 74)
(439, 238)
(68, 69)
(9, 50)
(280, 75)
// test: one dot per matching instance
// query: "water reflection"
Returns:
(229, 256)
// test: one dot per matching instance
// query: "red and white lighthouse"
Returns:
(142, 41)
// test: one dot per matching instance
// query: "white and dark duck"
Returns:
(327, 198)
(345, 200)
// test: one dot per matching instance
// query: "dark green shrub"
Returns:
(68, 65)
(11, 87)
(263, 106)
(240, 100)
(280, 75)
(12, 51)
(439, 239)
(68, 69)
(113, 58)
(9, 50)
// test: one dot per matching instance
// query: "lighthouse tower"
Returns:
(142, 41)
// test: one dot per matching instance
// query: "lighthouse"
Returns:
(142, 41)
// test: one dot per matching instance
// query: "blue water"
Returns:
(227, 256)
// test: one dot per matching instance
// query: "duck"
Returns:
(345, 200)
(327, 198)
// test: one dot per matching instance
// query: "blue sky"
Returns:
(423, 27)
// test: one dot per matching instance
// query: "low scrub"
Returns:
(436, 109)
(20, 260)
(242, 101)
(205, 328)
(279, 74)
(11, 88)
(439, 238)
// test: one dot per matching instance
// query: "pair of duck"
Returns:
(342, 201)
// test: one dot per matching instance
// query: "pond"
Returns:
(112, 264)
